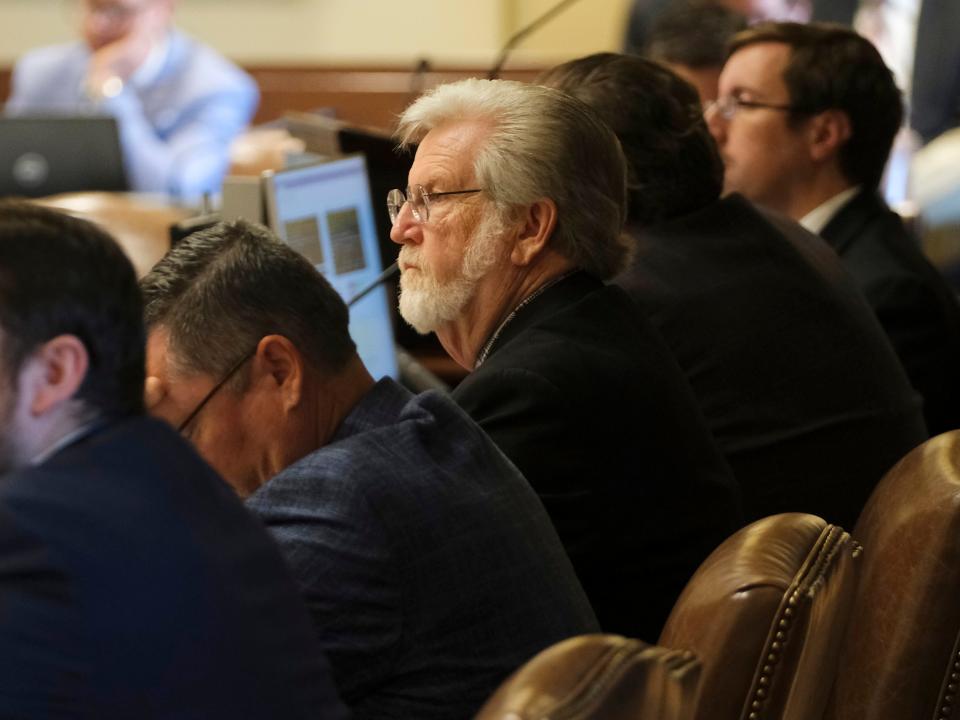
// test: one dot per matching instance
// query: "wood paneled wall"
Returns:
(363, 96)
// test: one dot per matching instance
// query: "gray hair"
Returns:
(542, 143)
(219, 291)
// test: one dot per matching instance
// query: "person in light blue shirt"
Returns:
(178, 103)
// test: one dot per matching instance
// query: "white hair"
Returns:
(542, 144)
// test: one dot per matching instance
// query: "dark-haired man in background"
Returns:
(805, 121)
(691, 39)
(793, 374)
(429, 566)
(644, 14)
(133, 584)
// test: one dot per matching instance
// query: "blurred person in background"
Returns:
(918, 41)
(691, 39)
(177, 102)
(644, 13)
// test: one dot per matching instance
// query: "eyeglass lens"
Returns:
(417, 199)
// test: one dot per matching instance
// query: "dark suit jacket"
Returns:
(133, 584)
(429, 566)
(913, 302)
(582, 394)
(795, 377)
(935, 95)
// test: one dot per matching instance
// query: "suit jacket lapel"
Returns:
(847, 224)
(551, 301)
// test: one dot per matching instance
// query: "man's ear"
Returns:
(538, 223)
(280, 364)
(55, 372)
(154, 391)
(827, 132)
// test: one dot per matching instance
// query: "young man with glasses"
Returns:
(178, 103)
(566, 377)
(795, 379)
(427, 562)
(133, 583)
(805, 121)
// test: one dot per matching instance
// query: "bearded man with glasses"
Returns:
(510, 226)
(178, 103)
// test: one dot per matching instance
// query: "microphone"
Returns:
(377, 281)
(418, 77)
(521, 34)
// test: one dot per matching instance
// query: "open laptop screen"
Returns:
(46, 155)
(325, 212)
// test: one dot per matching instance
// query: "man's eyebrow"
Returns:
(428, 184)
(739, 90)
(437, 177)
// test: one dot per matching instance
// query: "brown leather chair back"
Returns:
(900, 655)
(765, 614)
(594, 677)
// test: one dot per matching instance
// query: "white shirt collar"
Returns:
(68, 439)
(816, 220)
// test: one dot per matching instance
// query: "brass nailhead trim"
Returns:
(833, 544)
(946, 709)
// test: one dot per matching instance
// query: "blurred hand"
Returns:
(121, 57)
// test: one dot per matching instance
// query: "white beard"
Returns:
(425, 302)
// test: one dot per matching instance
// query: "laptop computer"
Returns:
(46, 155)
(325, 212)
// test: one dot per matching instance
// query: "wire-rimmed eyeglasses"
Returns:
(419, 200)
(728, 105)
(214, 390)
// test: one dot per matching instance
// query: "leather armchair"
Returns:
(900, 655)
(765, 614)
(594, 677)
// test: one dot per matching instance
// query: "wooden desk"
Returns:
(140, 223)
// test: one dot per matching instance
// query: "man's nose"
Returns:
(406, 228)
(716, 124)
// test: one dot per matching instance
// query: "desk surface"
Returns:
(140, 223)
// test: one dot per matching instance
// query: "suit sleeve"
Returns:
(347, 573)
(534, 425)
(193, 157)
(40, 642)
(912, 315)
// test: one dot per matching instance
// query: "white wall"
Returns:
(451, 32)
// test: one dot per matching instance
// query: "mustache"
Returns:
(410, 255)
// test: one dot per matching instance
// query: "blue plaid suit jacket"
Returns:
(428, 563)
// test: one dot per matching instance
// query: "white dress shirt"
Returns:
(818, 218)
